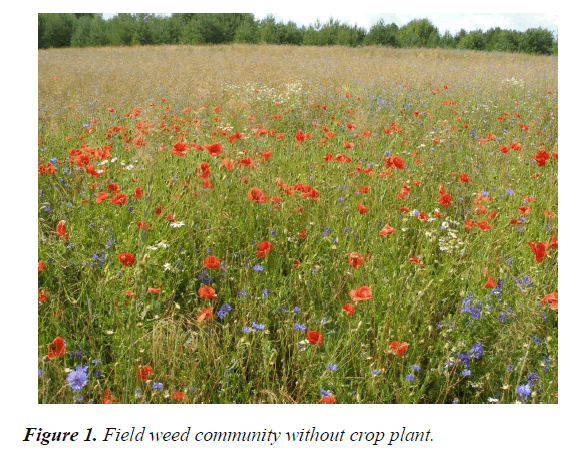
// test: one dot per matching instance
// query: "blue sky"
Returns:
(452, 22)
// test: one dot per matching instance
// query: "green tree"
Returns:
(382, 34)
(447, 41)
(57, 29)
(248, 31)
(473, 41)
(418, 33)
(121, 28)
(537, 41)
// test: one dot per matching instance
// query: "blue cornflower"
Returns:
(157, 386)
(78, 378)
(258, 268)
(375, 372)
(325, 393)
(332, 367)
(510, 368)
(326, 231)
(466, 359)
(300, 327)
(466, 372)
(477, 350)
(296, 309)
(41, 372)
(524, 390)
(532, 378)
(223, 310)
(242, 293)
(536, 340)
(246, 329)
(410, 377)
(509, 191)
(545, 365)
(257, 326)
(415, 368)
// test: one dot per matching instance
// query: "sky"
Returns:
(451, 22)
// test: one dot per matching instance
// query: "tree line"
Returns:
(91, 30)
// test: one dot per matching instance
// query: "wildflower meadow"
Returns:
(283, 224)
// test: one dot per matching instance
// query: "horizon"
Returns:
(452, 22)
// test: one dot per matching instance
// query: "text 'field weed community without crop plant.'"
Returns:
(281, 224)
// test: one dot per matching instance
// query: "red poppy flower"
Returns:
(552, 298)
(143, 226)
(490, 283)
(415, 261)
(386, 230)
(552, 243)
(101, 196)
(42, 296)
(348, 145)
(144, 372)
(263, 248)
(179, 396)
(211, 262)
(214, 149)
(463, 178)
(56, 349)
(539, 250)
(398, 348)
(256, 195)
(113, 188)
(445, 200)
(348, 308)
(119, 199)
(61, 228)
(180, 148)
(328, 399)
(206, 292)
(504, 149)
(41, 266)
(515, 146)
(364, 189)
(355, 259)
(107, 399)
(206, 314)
(126, 259)
(524, 210)
(541, 157)
(314, 338)
(302, 234)
(361, 294)
(480, 209)
(361, 208)
(296, 263)
(153, 290)
(404, 191)
(483, 225)
(491, 215)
